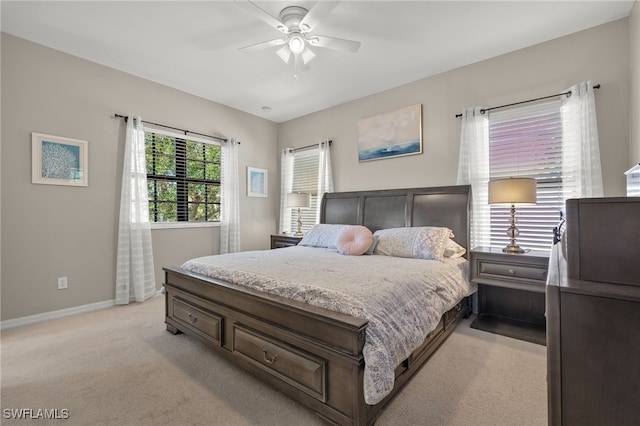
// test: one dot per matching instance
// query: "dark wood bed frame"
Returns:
(312, 354)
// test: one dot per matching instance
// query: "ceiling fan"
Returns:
(297, 23)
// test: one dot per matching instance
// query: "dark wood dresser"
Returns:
(593, 315)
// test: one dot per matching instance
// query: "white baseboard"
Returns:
(46, 316)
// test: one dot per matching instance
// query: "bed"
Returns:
(314, 354)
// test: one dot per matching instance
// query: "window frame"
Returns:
(182, 181)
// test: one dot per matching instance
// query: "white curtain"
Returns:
(473, 169)
(582, 173)
(286, 179)
(135, 276)
(230, 200)
(325, 173)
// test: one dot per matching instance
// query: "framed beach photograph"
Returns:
(256, 182)
(56, 160)
(391, 134)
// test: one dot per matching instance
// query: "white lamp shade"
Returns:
(512, 191)
(298, 199)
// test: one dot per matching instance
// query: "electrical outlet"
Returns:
(62, 283)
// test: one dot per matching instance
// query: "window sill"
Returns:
(178, 225)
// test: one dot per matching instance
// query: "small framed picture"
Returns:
(256, 182)
(56, 160)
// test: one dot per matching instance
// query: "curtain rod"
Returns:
(302, 148)
(482, 111)
(175, 128)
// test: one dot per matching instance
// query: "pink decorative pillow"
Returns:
(354, 241)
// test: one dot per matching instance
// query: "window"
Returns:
(305, 179)
(183, 177)
(527, 141)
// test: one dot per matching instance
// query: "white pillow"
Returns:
(354, 241)
(323, 235)
(425, 242)
(453, 250)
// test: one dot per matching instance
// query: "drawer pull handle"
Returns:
(267, 359)
(192, 318)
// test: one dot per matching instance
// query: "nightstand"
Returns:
(511, 292)
(280, 241)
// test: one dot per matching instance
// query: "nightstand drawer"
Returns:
(512, 271)
(281, 241)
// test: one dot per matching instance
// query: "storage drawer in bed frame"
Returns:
(198, 319)
(294, 366)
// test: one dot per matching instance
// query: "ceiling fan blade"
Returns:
(334, 43)
(284, 53)
(307, 55)
(255, 10)
(265, 44)
(317, 14)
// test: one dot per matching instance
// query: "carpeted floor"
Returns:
(120, 366)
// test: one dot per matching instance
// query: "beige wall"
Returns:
(600, 54)
(51, 231)
(634, 68)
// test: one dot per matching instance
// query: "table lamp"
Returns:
(512, 191)
(298, 200)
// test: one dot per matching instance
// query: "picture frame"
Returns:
(58, 160)
(257, 182)
(391, 134)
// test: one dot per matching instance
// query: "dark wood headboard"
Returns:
(394, 208)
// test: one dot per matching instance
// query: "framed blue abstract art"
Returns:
(56, 160)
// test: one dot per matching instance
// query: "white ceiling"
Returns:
(193, 45)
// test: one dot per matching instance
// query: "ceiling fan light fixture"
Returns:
(297, 23)
(307, 55)
(296, 44)
(284, 53)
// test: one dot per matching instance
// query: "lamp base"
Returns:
(299, 231)
(513, 232)
(511, 248)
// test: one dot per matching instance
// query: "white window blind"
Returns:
(305, 179)
(527, 141)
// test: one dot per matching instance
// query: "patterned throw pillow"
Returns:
(426, 242)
